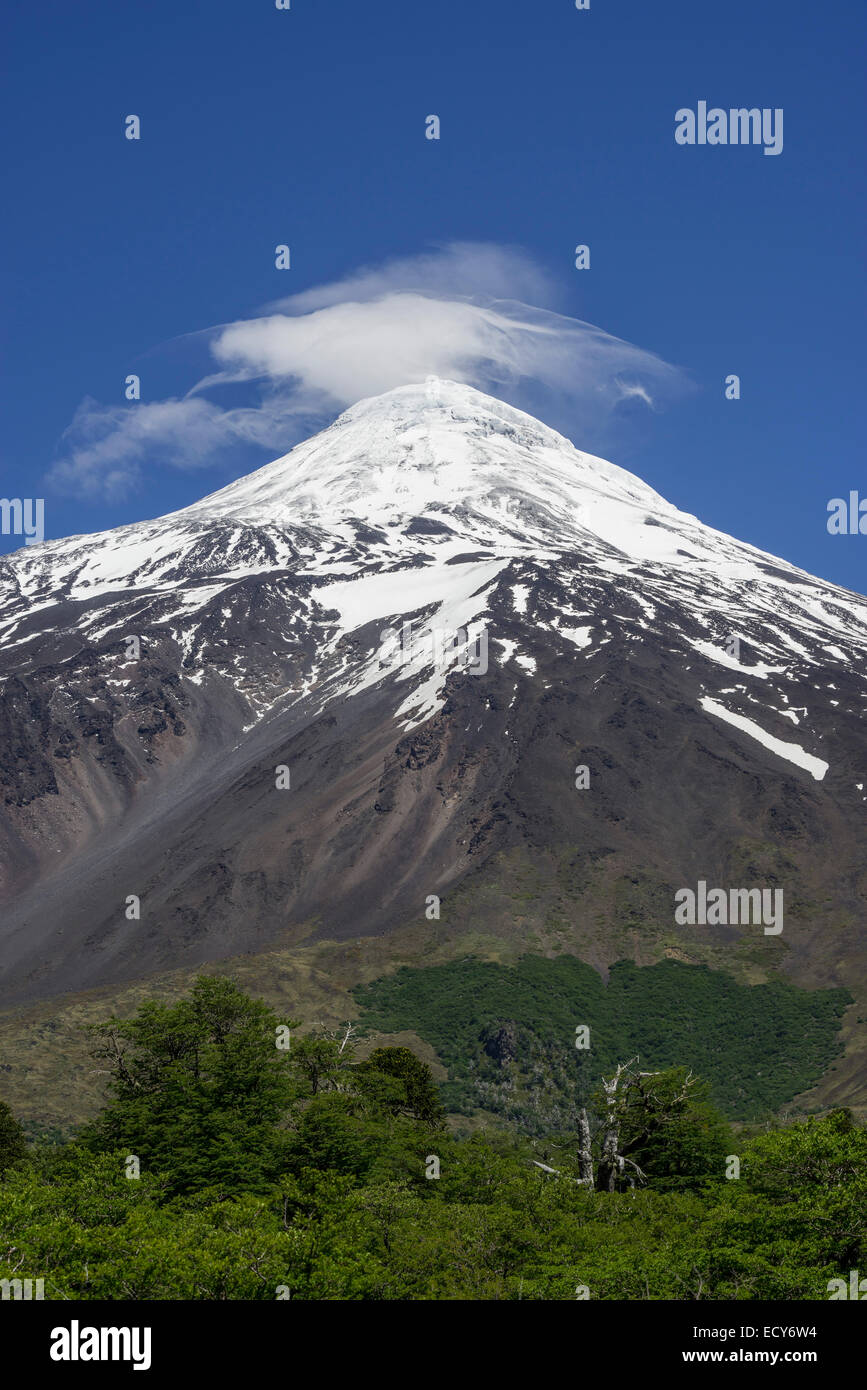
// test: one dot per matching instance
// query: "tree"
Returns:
(332, 1135)
(819, 1153)
(675, 1135)
(659, 1123)
(416, 1095)
(12, 1144)
(197, 1088)
(317, 1064)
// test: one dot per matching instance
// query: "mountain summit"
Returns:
(430, 616)
(419, 449)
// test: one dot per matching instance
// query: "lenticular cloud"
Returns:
(473, 313)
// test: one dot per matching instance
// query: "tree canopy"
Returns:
(274, 1163)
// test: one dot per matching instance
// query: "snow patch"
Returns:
(790, 751)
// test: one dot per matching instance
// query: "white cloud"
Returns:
(457, 313)
(105, 446)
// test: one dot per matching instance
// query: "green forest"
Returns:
(758, 1046)
(242, 1156)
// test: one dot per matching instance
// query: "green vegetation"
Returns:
(226, 1165)
(12, 1144)
(197, 1089)
(758, 1046)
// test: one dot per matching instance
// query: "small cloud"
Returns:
(635, 392)
(105, 447)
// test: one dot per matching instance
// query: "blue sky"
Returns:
(307, 127)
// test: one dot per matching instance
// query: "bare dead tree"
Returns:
(629, 1093)
(611, 1162)
(585, 1155)
(109, 1049)
(630, 1090)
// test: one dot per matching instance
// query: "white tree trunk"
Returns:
(585, 1157)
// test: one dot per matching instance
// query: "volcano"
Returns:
(433, 648)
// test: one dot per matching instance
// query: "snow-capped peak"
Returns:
(431, 446)
(422, 477)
